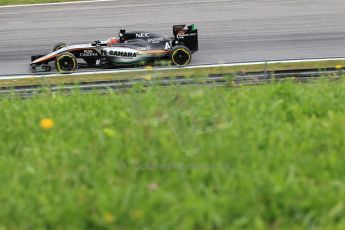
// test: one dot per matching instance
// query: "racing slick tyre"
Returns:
(65, 62)
(180, 55)
(59, 46)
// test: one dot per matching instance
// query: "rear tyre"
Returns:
(66, 62)
(59, 46)
(180, 55)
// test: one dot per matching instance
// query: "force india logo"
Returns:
(122, 54)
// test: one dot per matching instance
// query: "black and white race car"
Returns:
(130, 49)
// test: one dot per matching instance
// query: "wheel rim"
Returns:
(181, 57)
(66, 63)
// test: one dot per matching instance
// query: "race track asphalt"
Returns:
(229, 31)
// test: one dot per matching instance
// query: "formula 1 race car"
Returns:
(130, 49)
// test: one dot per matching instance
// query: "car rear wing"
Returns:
(187, 36)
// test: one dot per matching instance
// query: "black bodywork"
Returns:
(135, 48)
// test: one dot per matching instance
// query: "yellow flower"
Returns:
(338, 66)
(108, 217)
(109, 132)
(47, 123)
(137, 214)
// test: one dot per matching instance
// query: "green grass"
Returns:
(16, 2)
(266, 157)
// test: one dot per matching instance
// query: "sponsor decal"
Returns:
(180, 34)
(168, 45)
(122, 54)
(98, 62)
(88, 53)
(41, 68)
(145, 48)
(142, 35)
(183, 35)
(155, 40)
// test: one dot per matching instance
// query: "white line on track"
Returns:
(57, 3)
(169, 68)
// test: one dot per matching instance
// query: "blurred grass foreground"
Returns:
(265, 157)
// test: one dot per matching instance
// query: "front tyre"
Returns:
(66, 62)
(180, 55)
